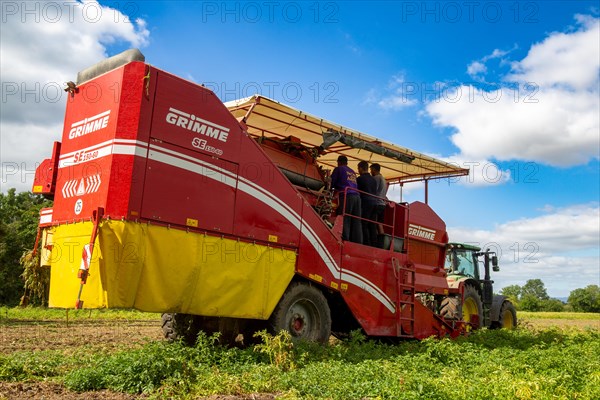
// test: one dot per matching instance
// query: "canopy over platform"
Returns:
(269, 118)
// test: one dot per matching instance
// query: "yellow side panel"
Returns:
(65, 260)
(157, 269)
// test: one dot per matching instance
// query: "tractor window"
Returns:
(449, 263)
(464, 262)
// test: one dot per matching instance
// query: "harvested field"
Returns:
(107, 335)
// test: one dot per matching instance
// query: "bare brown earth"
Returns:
(54, 391)
(109, 335)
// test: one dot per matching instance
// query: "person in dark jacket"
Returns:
(367, 185)
(344, 177)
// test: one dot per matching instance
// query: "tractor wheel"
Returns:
(508, 316)
(452, 308)
(180, 326)
(472, 307)
(303, 311)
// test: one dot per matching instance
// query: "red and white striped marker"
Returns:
(84, 266)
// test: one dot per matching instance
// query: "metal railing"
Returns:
(391, 227)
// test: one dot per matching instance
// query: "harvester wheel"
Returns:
(180, 326)
(303, 311)
(453, 309)
(508, 316)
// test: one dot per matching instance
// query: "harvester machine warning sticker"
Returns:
(190, 222)
(80, 187)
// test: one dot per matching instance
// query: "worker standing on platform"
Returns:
(368, 189)
(382, 188)
(344, 177)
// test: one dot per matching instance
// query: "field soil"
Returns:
(54, 391)
(110, 335)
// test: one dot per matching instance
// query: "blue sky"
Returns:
(516, 85)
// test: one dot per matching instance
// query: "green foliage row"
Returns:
(500, 364)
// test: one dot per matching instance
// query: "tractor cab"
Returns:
(462, 267)
(463, 259)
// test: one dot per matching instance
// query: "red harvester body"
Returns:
(216, 210)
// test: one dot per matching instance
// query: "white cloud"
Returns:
(497, 53)
(546, 112)
(39, 52)
(569, 60)
(396, 102)
(560, 247)
(397, 95)
(476, 68)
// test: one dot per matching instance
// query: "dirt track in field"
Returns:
(58, 335)
(54, 391)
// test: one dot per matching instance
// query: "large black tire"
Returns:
(455, 310)
(186, 327)
(180, 326)
(508, 316)
(303, 312)
(450, 308)
(472, 307)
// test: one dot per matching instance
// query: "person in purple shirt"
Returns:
(344, 177)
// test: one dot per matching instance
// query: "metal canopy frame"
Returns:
(267, 117)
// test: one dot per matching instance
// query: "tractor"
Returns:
(479, 307)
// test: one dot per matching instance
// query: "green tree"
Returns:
(535, 288)
(532, 297)
(585, 300)
(552, 305)
(19, 215)
(513, 292)
(530, 302)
